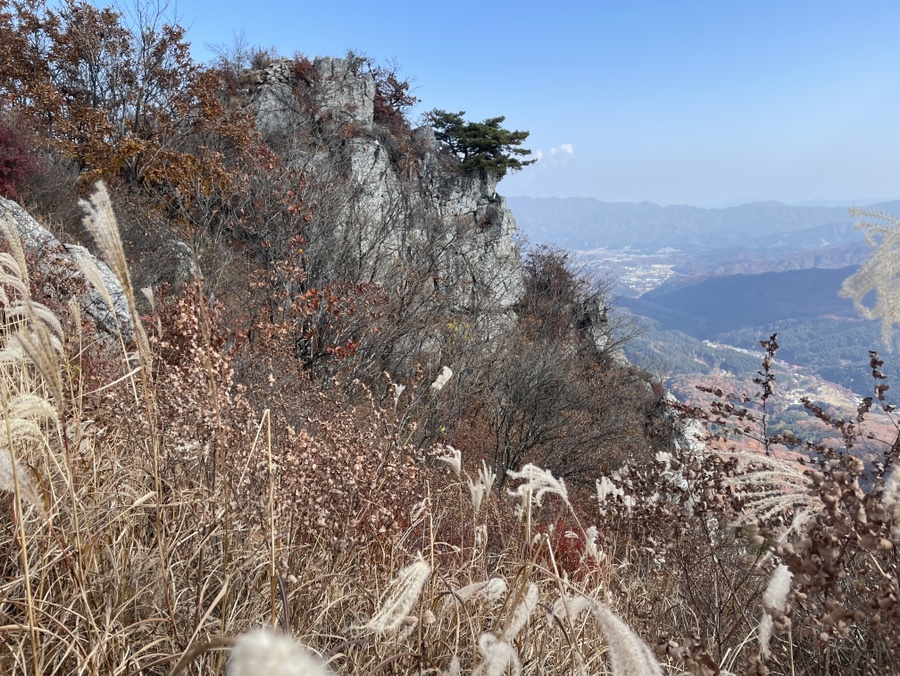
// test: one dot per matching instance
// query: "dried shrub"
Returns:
(333, 462)
(19, 165)
(303, 69)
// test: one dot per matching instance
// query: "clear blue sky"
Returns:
(706, 103)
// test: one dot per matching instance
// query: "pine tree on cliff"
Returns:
(481, 146)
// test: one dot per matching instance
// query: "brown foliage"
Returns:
(337, 461)
(120, 97)
(19, 165)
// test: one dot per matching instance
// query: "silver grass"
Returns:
(15, 478)
(23, 429)
(265, 652)
(591, 550)
(891, 495)
(481, 535)
(606, 488)
(36, 344)
(37, 312)
(453, 668)
(476, 493)
(454, 459)
(489, 591)
(537, 482)
(442, 379)
(418, 509)
(21, 417)
(147, 291)
(891, 499)
(478, 489)
(75, 313)
(88, 266)
(522, 613)
(12, 275)
(879, 273)
(628, 654)
(774, 601)
(497, 656)
(397, 391)
(31, 406)
(780, 487)
(403, 594)
(36, 334)
(11, 234)
(22, 414)
(487, 477)
(100, 221)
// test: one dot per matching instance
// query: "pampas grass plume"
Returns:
(498, 656)
(774, 601)
(522, 613)
(454, 459)
(537, 483)
(264, 652)
(404, 592)
(891, 499)
(489, 591)
(100, 221)
(628, 654)
(442, 379)
(13, 476)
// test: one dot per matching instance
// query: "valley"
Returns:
(706, 287)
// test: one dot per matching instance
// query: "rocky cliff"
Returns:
(384, 200)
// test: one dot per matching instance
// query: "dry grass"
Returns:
(160, 516)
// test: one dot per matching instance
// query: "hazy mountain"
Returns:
(587, 223)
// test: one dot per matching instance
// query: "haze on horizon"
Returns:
(704, 103)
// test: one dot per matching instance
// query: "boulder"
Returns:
(56, 265)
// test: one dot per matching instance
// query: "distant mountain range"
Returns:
(586, 223)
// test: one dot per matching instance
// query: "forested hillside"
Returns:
(720, 304)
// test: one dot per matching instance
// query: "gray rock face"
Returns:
(272, 95)
(339, 91)
(690, 435)
(389, 212)
(57, 263)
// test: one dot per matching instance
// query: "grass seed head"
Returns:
(404, 592)
(270, 653)
(537, 483)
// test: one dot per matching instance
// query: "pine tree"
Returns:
(484, 147)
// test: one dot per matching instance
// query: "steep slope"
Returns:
(379, 204)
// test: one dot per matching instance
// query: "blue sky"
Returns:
(706, 103)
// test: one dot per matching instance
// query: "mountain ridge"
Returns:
(585, 223)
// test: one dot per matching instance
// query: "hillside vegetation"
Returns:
(344, 409)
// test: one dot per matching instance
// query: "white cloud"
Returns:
(564, 150)
(556, 155)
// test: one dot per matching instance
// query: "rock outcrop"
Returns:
(394, 211)
(57, 267)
